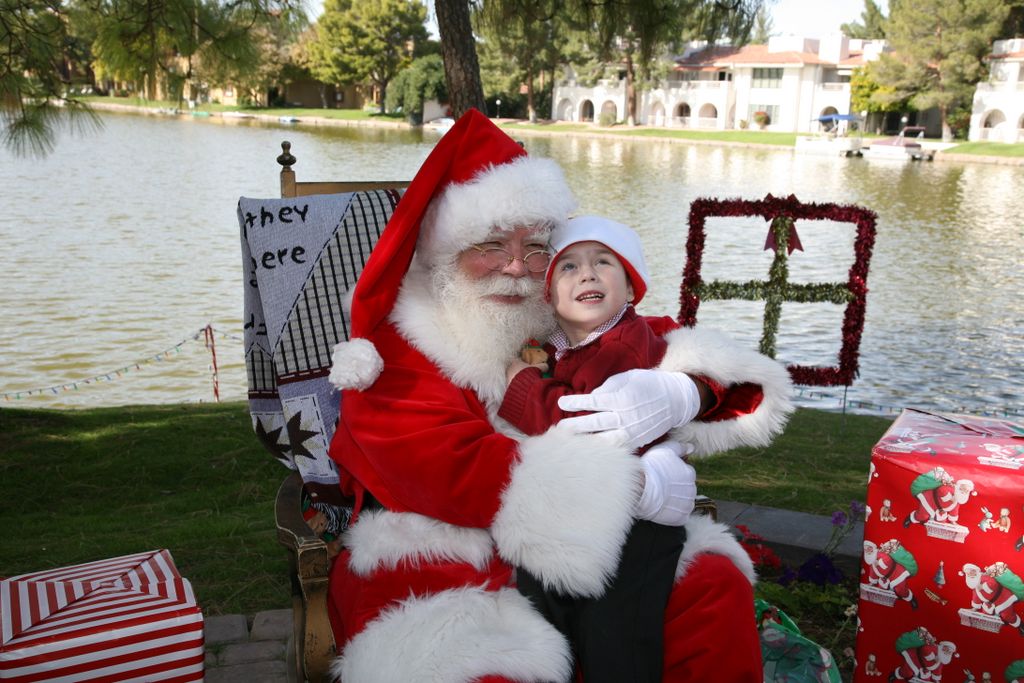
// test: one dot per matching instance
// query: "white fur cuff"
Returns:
(704, 535)
(567, 510)
(456, 635)
(381, 539)
(704, 351)
(355, 364)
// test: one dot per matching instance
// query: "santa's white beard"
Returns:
(489, 332)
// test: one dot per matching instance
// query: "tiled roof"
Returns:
(723, 57)
(1008, 55)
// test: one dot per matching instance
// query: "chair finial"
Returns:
(286, 159)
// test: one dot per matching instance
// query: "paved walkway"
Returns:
(242, 649)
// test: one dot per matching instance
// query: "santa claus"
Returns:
(449, 497)
(938, 497)
(890, 566)
(923, 657)
(995, 591)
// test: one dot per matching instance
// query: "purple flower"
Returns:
(819, 569)
(838, 518)
(856, 508)
(788, 576)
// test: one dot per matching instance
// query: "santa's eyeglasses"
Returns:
(496, 258)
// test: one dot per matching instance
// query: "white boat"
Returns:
(440, 124)
(824, 144)
(903, 147)
(840, 135)
(288, 119)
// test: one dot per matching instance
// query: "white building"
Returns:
(794, 80)
(997, 113)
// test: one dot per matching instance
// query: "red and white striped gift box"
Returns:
(131, 618)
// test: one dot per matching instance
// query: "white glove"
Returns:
(670, 486)
(643, 404)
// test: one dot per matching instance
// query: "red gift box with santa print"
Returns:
(130, 618)
(942, 574)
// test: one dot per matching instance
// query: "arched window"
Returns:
(587, 111)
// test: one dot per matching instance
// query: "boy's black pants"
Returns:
(619, 637)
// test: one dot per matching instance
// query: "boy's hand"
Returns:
(517, 366)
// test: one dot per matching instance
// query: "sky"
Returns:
(816, 18)
(807, 18)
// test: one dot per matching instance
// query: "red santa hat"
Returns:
(475, 181)
(620, 239)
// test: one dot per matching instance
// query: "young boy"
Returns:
(596, 276)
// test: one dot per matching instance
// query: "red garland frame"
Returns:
(790, 207)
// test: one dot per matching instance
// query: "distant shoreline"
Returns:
(525, 128)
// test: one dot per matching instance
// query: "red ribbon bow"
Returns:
(792, 243)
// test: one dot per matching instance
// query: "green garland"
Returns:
(783, 239)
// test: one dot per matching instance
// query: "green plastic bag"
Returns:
(788, 656)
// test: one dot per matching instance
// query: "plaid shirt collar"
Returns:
(563, 346)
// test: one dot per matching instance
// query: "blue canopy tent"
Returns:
(836, 118)
(830, 123)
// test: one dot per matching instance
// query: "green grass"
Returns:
(343, 114)
(992, 149)
(742, 136)
(818, 465)
(82, 485)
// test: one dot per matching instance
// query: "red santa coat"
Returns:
(887, 573)
(992, 597)
(923, 662)
(939, 503)
(424, 585)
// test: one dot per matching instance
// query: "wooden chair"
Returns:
(308, 558)
(313, 647)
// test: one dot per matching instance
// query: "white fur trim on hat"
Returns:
(704, 351)
(456, 635)
(704, 535)
(355, 364)
(526, 191)
(381, 539)
(567, 510)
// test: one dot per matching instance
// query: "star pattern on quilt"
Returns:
(270, 440)
(298, 436)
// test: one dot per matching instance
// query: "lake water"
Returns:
(122, 245)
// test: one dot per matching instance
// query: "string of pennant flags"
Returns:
(208, 333)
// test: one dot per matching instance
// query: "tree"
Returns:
(763, 26)
(873, 25)
(521, 46)
(938, 50)
(423, 80)
(1013, 26)
(144, 41)
(458, 49)
(178, 42)
(369, 40)
(33, 98)
(867, 94)
(275, 41)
